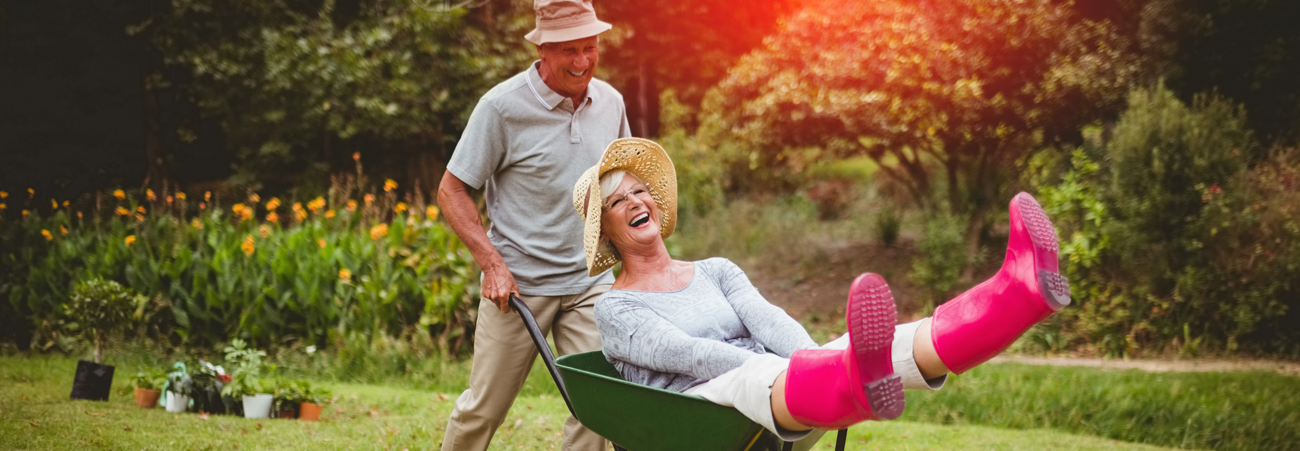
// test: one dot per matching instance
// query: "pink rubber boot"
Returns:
(832, 389)
(977, 325)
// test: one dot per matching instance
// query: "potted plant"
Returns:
(312, 399)
(179, 386)
(288, 395)
(246, 380)
(209, 380)
(97, 307)
(148, 384)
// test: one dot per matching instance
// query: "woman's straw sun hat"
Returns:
(647, 161)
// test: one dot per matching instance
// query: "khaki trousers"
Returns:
(503, 356)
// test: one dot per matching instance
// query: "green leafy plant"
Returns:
(179, 381)
(150, 378)
(249, 369)
(97, 307)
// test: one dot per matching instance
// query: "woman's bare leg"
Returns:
(927, 360)
(780, 412)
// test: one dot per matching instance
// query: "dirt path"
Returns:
(1285, 368)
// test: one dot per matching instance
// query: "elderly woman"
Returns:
(702, 328)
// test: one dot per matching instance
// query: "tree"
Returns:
(965, 88)
(299, 84)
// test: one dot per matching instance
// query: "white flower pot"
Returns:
(177, 403)
(257, 406)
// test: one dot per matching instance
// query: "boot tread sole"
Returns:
(1054, 287)
(886, 397)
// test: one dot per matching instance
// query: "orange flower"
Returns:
(345, 274)
(3, 206)
(25, 213)
(140, 209)
(254, 198)
(316, 204)
(264, 230)
(139, 217)
(170, 199)
(148, 194)
(47, 235)
(4, 194)
(356, 156)
(328, 213)
(119, 194)
(196, 224)
(63, 230)
(298, 213)
(54, 204)
(66, 203)
(321, 242)
(31, 192)
(180, 195)
(130, 240)
(378, 231)
(203, 205)
(370, 199)
(352, 205)
(237, 208)
(207, 195)
(78, 213)
(121, 211)
(273, 203)
(431, 212)
(272, 217)
(389, 185)
(400, 207)
(248, 247)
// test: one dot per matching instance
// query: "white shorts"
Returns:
(748, 388)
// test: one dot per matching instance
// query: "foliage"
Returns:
(1180, 232)
(289, 393)
(179, 381)
(150, 378)
(940, 94)
(888, 223)
(943, 256)
(262, 270)
(98, 307)
(248, 376)
(295, 85)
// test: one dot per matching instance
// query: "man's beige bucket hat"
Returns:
(647, 161)
(564, 20)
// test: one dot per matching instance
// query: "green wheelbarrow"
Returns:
(640, 418)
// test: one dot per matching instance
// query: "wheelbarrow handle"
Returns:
(539, 341)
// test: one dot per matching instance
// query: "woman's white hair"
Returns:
(610, 181)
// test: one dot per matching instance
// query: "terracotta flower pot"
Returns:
(147, 397)
(309, 412)
(285, 414)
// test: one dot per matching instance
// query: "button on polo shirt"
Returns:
(526, 145)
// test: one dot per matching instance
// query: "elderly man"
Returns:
(527, 141)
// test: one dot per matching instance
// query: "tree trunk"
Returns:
(155, 168)
(973, 229)
(99, 346)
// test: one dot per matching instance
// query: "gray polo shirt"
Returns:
(528, 146)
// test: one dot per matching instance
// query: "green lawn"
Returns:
(35, 413)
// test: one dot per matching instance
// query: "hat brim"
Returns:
(539, 36)
(648, 162)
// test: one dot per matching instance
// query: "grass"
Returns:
(998, 406)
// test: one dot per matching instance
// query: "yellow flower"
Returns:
(3, 206)
(66, 203)
(389, 185)
(352, 205)
(328, 213)
(122, 211)
(272, 204)
(119, 194)
(63, 230)
(196, 224)
(25, 213)
(432, 212)
(31, 192)
(378, 231)
(264, 230)
(46, 233)
(248, 246)
(4, 194)
(316, 204)
(400, 207)
(345, 274)
(272, 217)
(148, 194)
(54, 204)
(370, 199)
(180, 196)
(321, 242)
(130, 240)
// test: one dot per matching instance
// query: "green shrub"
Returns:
(98, 307)
(266, 271)
(943, 257)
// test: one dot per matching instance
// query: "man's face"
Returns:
(567, 67)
